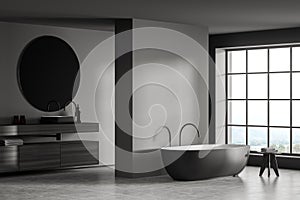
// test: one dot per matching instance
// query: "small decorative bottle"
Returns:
(77, 114)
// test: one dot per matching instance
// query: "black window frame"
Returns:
(268, 99)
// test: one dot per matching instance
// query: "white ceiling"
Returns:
(221, 16)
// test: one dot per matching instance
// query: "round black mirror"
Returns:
(48, 73)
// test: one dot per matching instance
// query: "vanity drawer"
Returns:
(8, 158)
(77, 153)
(39, 156)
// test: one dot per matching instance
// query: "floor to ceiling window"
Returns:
(263, 97)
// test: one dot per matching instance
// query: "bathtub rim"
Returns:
(213, 147)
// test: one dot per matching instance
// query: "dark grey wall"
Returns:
(254, 38)
(123, 123)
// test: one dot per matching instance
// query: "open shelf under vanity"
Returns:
(45, 155)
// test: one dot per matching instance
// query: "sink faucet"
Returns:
(169, 132)
(77, 110)
(188, 124)
(53, 101)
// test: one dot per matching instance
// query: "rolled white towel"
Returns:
(11, 141)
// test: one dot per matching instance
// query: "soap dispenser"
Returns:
(77, 118)
(77, 114)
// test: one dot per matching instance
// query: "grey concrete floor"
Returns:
(99, 183)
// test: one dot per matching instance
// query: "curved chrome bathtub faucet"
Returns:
(187, 124)
(169, 132)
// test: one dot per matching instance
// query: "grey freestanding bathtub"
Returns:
(196, 162)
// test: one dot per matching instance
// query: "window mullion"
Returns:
(226, 97)
(268, 99)
(247, 97)
(291, 102)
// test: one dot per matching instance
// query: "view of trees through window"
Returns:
(263, 98)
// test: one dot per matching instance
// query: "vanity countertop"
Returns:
(47, 129)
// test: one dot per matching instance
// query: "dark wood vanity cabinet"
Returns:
(79, 153)
(39, 156)
(59, 154)
(48, 155)
(52, 155)
(8, 159)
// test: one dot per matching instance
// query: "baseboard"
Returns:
(121, 174)
(284, 161)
